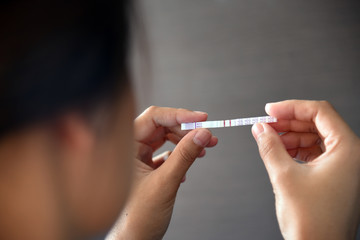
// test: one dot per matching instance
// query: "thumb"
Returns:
(271, 149)
(184, 154)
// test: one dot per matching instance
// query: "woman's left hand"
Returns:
(149, 208)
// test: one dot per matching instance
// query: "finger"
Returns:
(160, 137)
(202, 153)
(326, 119)
(292, 152)
(293, 126)
(213, 142)
(184, 154)
(157, 140)
(272, 150)
(175, 138)
(161, 134)
(144, 153)
(293, 140)
(184, 179)
(154, 117)
(160, 159)
(177, 130)
(306, 154)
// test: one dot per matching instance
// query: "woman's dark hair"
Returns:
(58, 55)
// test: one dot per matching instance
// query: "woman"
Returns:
(66, 135)
(66, 127)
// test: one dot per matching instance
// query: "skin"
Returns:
(149, 209)
(319, 199)
(67, 179)
(71, 178)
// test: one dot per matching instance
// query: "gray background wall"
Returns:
(229, 58)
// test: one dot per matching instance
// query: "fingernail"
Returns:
(202, 138)
(267, 107)
(183, 179)
(200, 112)
(258, 129)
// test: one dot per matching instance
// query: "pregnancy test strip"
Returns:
(228, 123)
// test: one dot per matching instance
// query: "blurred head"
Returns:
(66, 113)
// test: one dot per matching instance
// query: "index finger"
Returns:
(155, 117)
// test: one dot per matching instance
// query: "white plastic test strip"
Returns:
(228, 123)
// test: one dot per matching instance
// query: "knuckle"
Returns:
(313, 128)
(148, 112)
(186, 156)
(266, 148)
(178, 113)
(307, 156)
(333, 142)
(151, 109)
(325, 104)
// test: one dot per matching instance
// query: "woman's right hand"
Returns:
(321, 198)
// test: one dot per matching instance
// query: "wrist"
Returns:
(323, 230)
(133, 228)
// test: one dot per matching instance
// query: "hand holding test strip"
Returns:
(228, 123)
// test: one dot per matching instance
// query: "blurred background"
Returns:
(229, 58)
